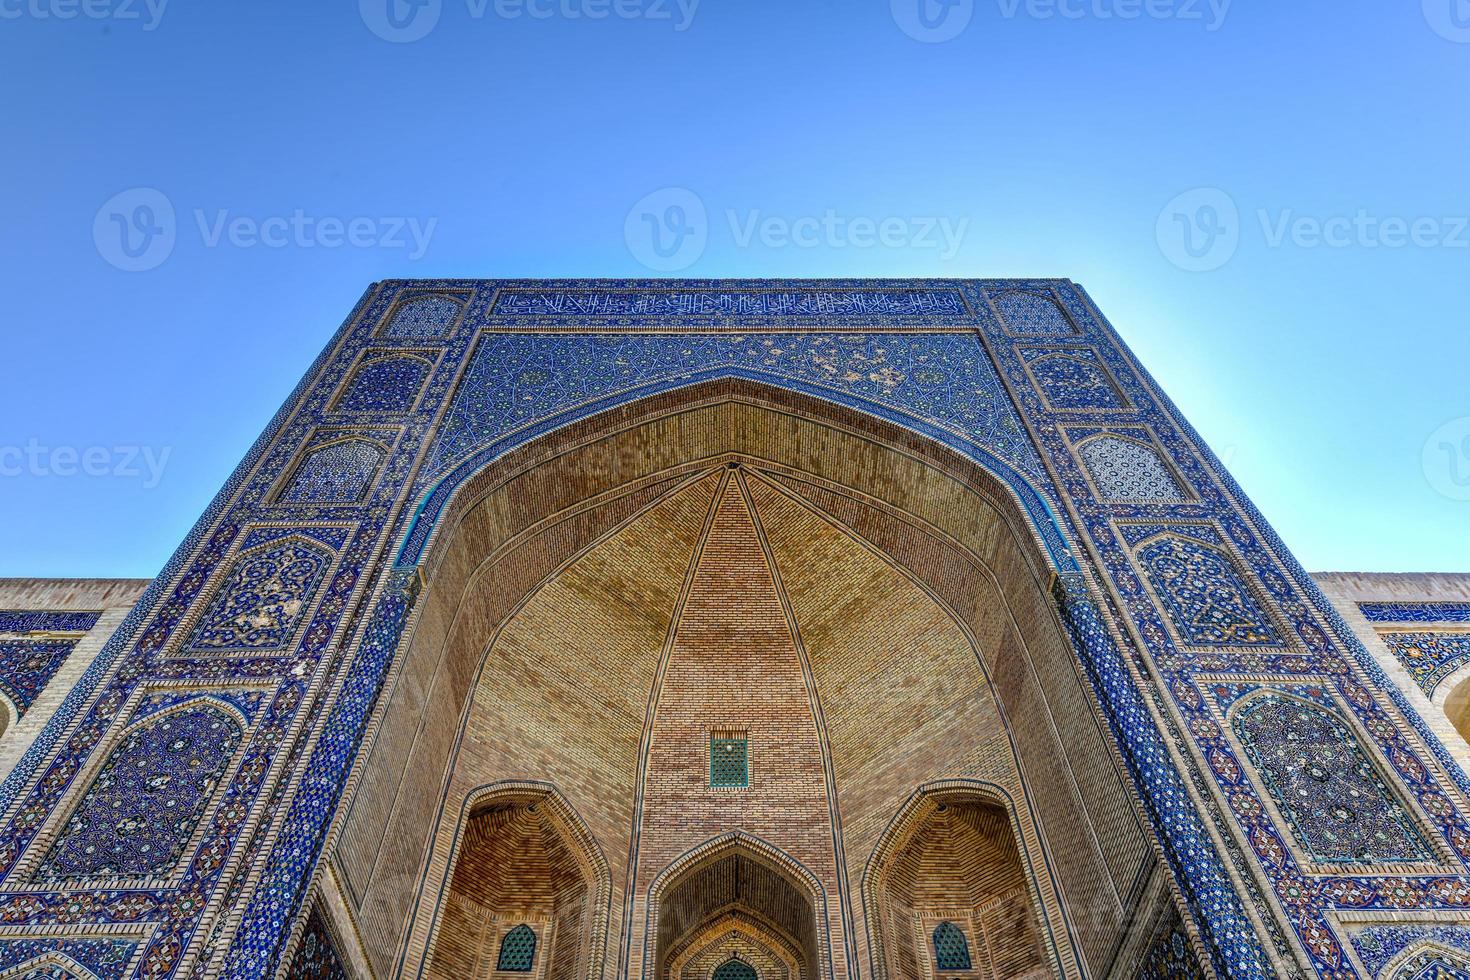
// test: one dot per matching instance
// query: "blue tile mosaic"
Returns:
(339, 472)
(427, 316)
(66, 959)
(1073, 379)
(1031, 312)
(680, 303)
(1336, 802)
(1378, 946)
(262, 601)
(26, 666)
(1001, 400)
(46, 621)
(140, 810)
(385, 385)
(1429, 657)
(1205, 594)
(1416, 612)
(317, 957)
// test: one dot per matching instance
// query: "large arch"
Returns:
(947, 527)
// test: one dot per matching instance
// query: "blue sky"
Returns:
(1268, 199)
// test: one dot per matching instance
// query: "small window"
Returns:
(733, 969)
(729, 760)
(517, 950)
(951, 949)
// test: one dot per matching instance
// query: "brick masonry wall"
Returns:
(112, 598)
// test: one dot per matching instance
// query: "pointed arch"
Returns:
(1124, 468)
(1324, 783)
(339, 471)
(774, 888)
(424, 314)
(171, 762)
(557, 868)
(261, 601)
(914, 878)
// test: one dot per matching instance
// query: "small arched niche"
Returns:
(949, 895)
(527, 893)
(739, 907)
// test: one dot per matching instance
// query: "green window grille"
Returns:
(951, 949)
(517, 950)
(729, 760)
(735, 970)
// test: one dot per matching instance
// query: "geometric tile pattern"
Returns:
(728, 762)
(336, 473)
(385, 385)
(424, 316)
(1205, 594)
(1073, 380)
(1171, 959)
(1334, 798)
(517, 950)
(734, 970)
(316, 957)
(1026, 312)
(675, 302)
(999, 402)
(951, 949)
(1429, 657)
(27, 665)
(1377, 946)
(144, 803)
(263, 599)
(1126, 470)
(514, 380)
(64, 959)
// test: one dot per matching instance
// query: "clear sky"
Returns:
(1268, 199)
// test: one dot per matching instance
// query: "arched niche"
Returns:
(527, 891)
(948, 527)
(736, 898)
(948, 891)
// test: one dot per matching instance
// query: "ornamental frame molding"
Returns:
(1044, 290)
(321, 438)
(430, 357)
(1344, 920)
(1444, 862)
(464, 297)
(576, 836)
(1226, 549)
(1129, 433)
(175, 649)
(23, 877)
(139, 934)
(1127, 405)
